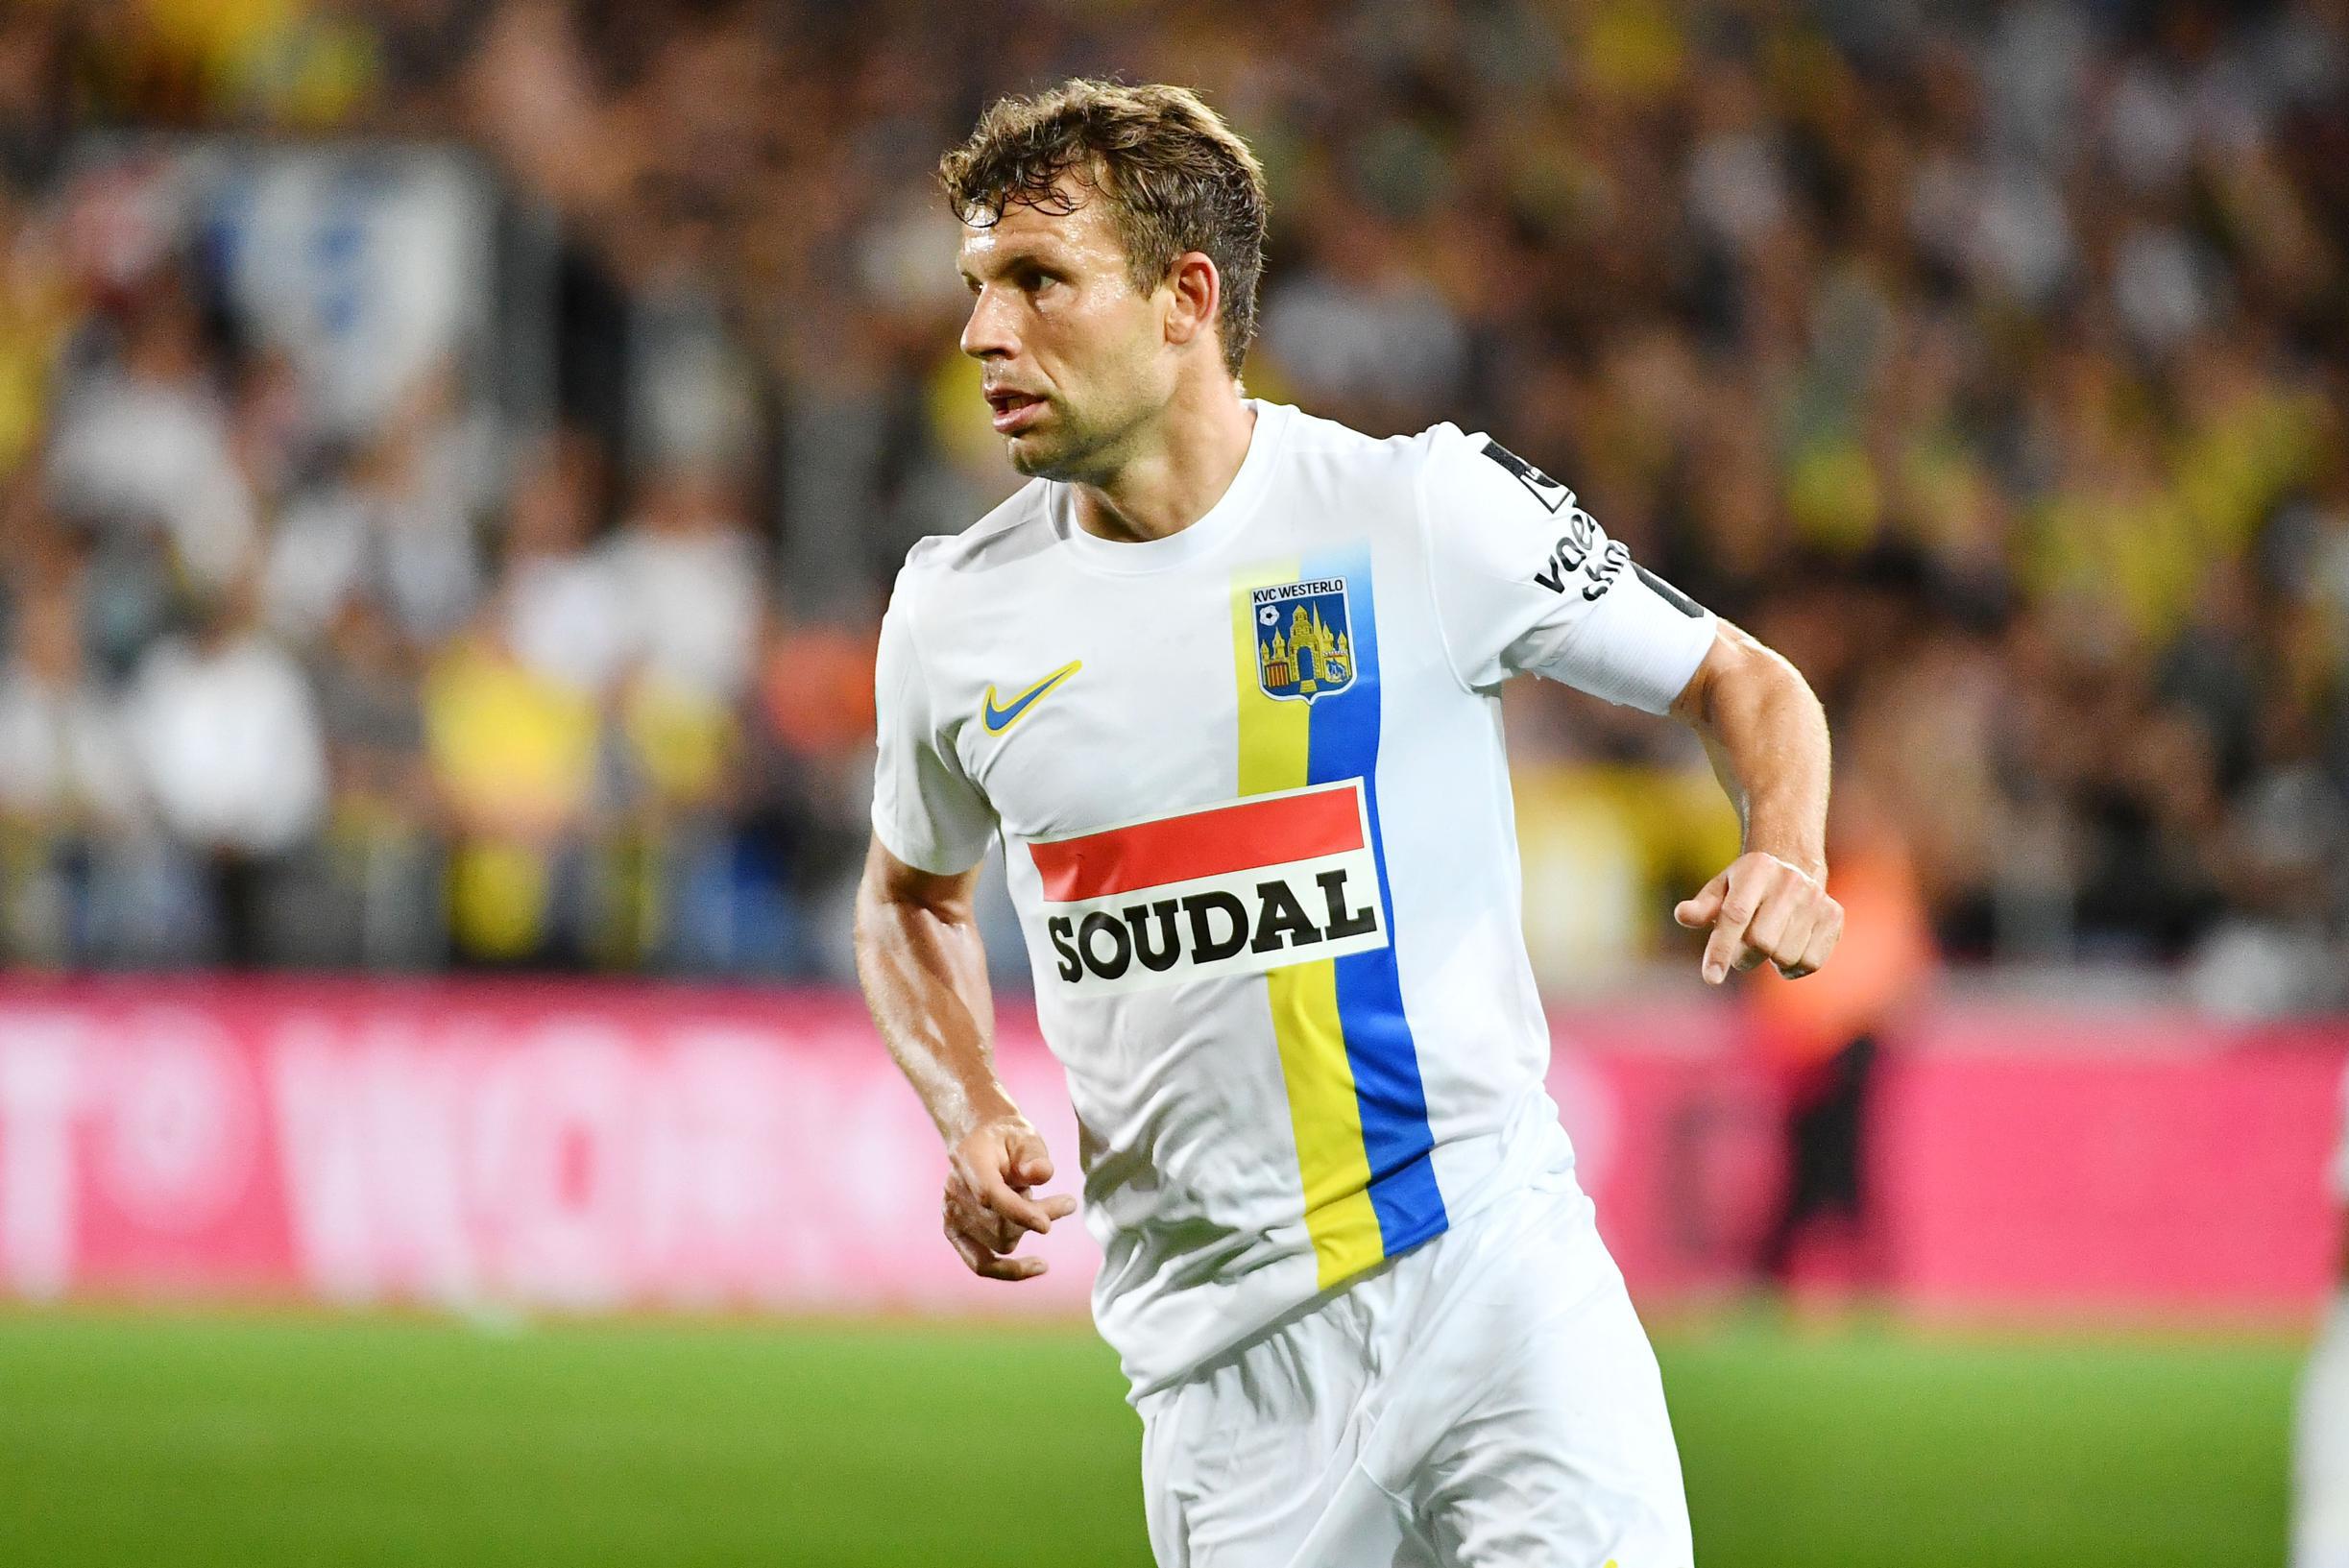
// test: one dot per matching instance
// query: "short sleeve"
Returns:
(1525, 580)
(927, 811)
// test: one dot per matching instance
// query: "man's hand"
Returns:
(925, 973)
(1763, 907)
(988, 1176)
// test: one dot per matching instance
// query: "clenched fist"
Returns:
(1763, 907)
(988, 1176)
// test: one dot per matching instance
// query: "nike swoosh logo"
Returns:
(1000, 719)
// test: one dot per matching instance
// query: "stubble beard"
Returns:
(1081, 453)
(1035, 464)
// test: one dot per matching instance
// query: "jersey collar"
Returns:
(1218, 525)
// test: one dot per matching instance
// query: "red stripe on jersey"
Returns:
(1256, 832)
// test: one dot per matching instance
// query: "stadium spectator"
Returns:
(693, 582)
(69, 790)
(383, 531)
(515, 759)
(225, 734)
(567, 607)
(380, 899)
(144, 444)
(1828, 1041)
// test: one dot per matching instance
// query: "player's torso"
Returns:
(1185, 763)
(1259, 837)
(1174, 854)
(1195, 797)
(1245, 782)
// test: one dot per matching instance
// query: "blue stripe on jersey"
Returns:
(1378, 1044)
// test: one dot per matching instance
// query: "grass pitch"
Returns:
(194, 1441)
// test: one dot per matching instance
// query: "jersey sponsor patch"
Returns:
(1304, 643)
(1239, 889)
(1584, 559)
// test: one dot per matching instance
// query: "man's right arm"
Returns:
(925, 976)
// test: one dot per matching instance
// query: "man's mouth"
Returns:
(1013, 410)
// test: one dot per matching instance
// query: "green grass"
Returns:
(190, 1442)
(1860, 1452)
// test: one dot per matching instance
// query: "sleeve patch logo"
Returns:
(1541, 486)
(1574, 552)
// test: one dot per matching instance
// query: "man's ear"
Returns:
(1195, 297)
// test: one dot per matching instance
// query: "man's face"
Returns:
(1076, 361)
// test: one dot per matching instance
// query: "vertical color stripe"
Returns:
(1333, 1167)
(1392, 1101)
(1356, 1104)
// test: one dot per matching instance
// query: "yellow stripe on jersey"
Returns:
(1333, 1167)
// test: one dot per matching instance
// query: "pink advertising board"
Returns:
(577, 1146)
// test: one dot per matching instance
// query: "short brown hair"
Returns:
(1177, 179)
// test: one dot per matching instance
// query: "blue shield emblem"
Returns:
(1304, 644)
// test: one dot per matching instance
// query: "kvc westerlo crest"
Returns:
(1304, 641)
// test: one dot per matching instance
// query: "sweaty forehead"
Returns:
(1027, 229)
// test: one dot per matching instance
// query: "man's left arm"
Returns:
(1526, 580)
(1767, 738)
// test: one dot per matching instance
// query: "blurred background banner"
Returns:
(598, 1147)
(593, 1147)
(366, 269)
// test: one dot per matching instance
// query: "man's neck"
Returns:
(1205, 439)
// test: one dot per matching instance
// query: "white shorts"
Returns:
(1487, 1399)
(2320, 1458)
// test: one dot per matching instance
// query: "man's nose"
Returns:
(988, 335)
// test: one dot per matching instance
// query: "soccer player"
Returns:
(2320, 1480)
(1223, 681)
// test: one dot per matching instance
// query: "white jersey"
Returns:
(1255, 813)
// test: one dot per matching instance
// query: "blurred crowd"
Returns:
(1990, 360)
